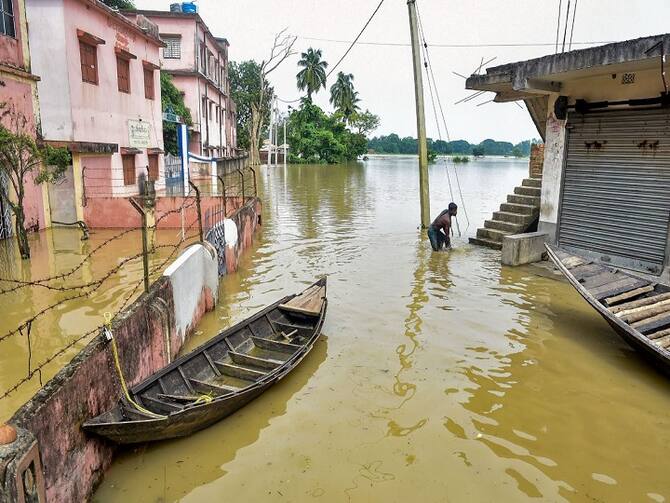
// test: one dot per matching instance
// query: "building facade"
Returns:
(18, 94)
(100, 97)
(198, 64)
(604, 113)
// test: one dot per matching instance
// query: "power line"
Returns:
(356, 39)
(572, 30)
(565, 30)
(558, 25)
(458, 46)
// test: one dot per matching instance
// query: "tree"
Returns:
(365, 122)
(172, 99)
(245, 89)
(21, 158)
(282, 48)
(343, 96)
(478, 151)
(119, 4)
(312, 77)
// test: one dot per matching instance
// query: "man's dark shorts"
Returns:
(437, 239)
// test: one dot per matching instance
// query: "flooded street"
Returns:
(439, 377)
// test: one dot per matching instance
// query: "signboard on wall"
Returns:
(139, 134)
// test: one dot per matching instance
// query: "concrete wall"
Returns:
(536, 162)
(148, 334)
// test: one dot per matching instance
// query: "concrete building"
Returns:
(604, 113)
(198, 64)
(18, 92)
(99, 96)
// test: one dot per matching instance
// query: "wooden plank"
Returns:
(255, 361)
(309, 302)
(641, 313)
(211, 361)
(600, 279)
(660, 334)
(652, 324)
(619, 286)
(178, 398)
(641, 302)
(161, 405)
(239, 372)
(630, 295)
(283, 347)
(584, 271)
(574, 261)
(221, 389)
(663, 342)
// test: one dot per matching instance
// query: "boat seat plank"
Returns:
(211, 362)
(620, 286)
(584, 271)
(254, 361)
(652, 324)
(160, 404)
(284, 347)
(308, 303)
(186, 380)
(639, 303)
(574, 261)
(218, 388)
(663, 342)
(600, 279)
(178, 398)
(659, 335)
(610, 301)
(240, 372)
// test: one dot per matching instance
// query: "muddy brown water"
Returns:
(439, 377)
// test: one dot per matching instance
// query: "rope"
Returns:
(117, 363)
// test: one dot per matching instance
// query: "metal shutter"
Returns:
(616, 188)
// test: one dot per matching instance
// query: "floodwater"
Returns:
(55, 334)
(439, 377)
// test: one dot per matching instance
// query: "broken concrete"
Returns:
(519, 249)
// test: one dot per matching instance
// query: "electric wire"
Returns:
(460, 46)
(565, 29)
(558, 25)
(572, 30)
(355, 40)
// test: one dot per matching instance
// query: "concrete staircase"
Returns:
(517, 215)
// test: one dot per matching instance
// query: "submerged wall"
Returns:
(148, 334)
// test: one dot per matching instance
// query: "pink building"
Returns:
(198, 63)
(99, 96)
(18, 92)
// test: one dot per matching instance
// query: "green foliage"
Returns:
(364, 122)
(312, 77)
(171, 97)
(343, 96)
(393, 144)
(316, 137)
(245, 89)
(119, 4)
(432, 156)
(460, 159)
(516, 152)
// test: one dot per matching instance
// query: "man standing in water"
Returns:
(438, 231)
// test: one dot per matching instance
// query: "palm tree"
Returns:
(312, 77)
(343, 96)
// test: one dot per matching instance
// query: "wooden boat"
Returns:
(637, 308)
(221, 376)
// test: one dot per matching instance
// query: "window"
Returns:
(7, 18)
(204, 106)
(153, 167)
(216, 115)
(88, 55)
(172, 49)
(149, 83)
(128, 169)
(123, 74)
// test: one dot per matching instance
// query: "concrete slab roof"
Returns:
(525, 79)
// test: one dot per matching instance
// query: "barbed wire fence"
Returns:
(24, 329)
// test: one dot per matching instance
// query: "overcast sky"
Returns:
(383, 74)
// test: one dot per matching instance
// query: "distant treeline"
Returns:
(393, 144)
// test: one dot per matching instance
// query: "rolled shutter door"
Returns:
(616, 188)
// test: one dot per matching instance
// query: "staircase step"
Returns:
(503, 226)
(486, 242)
(513, 218)
(528, 200)
(528, 191)
(532, 182)
(492, 234)
(520, 209)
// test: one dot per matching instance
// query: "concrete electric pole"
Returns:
(424, 190)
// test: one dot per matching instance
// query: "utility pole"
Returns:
(285, 146)
(424, 191)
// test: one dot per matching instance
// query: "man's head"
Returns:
(453, 209)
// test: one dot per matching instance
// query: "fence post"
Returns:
(241, 176)
(145, 251)
(223, 191)
(253, 172)
(197, 202)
